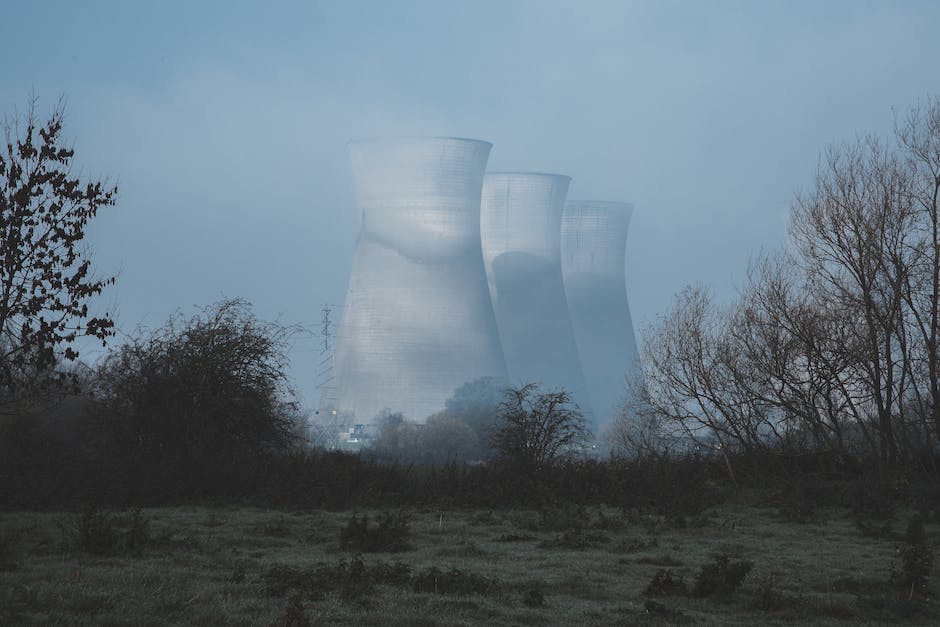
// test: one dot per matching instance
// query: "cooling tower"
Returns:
(417, 322)
(520, 224)
(593, 246)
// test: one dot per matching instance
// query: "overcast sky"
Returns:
(224, 125)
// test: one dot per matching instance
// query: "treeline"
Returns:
(833, 345)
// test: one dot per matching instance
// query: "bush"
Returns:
(295, 615)
(913, 559)
(389, 535)
(665, 583)
(6, 555)
(722, 576)
(199, 394)
(350, 579)
(534, 429)
(574, 539)
(533, 597)
(766, 596)
(453, 581)
(100, 532)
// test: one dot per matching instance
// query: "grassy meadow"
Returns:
(201, 565)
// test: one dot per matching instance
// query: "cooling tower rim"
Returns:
(394, 138)
(527, 174)
(612, 204)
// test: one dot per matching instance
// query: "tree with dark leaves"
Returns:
(46, 281)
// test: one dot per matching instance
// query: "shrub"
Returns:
(574, 539)
(660, 609)
(665, 583)
(533, 597)
(912, 567)
(766, 595)
(350, 579)
(388, 536)
(913, 559)
(100, 532)
(534, 429)
(6, 554)
(295, 615)
(199, 393)
(453, 581)
(722, 576)
(915, 533)
(869, 530)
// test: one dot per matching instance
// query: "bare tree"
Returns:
(695, 378)
(853, 233)
(533, 429)
(918, 134)
(833, 343)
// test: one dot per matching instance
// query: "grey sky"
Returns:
(225, 124)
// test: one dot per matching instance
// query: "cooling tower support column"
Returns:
(593, 246)
(520, 227)
(417, 322)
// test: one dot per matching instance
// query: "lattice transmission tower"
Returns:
(325, 371)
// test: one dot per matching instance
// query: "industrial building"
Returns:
(520, 220)
(593, 247)
(417, 322)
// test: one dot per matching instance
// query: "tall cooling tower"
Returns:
(593, 246)
(520, 224)
(417, 322)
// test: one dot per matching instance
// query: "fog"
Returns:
(225, 125)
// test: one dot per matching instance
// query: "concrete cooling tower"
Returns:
(593, 246)
(417, 322)
(520, 224)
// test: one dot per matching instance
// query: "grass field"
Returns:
(225, 565)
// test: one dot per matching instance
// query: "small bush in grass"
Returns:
(533, 597)
(350, 579)
(872, 499)
(387, 536)
(574, 539)
(912, 567)
(721, 576)
(95, 532)
(913, 559)
(660, 609)
(660, 560)
(135, 530)
(915, 533)
(453, 581)
(871, 530)
(665, 583)
(238, 572)
(272, 527)
(6, 554)
(515, 537)
(766, 595)
(100, 532)
(295, 615)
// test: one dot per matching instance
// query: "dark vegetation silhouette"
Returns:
(816, 390)
(781, 393)
(46, 279)
(832, 349)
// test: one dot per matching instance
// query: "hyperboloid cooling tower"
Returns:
(593, 246)
(417, 322)
(520, 224)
